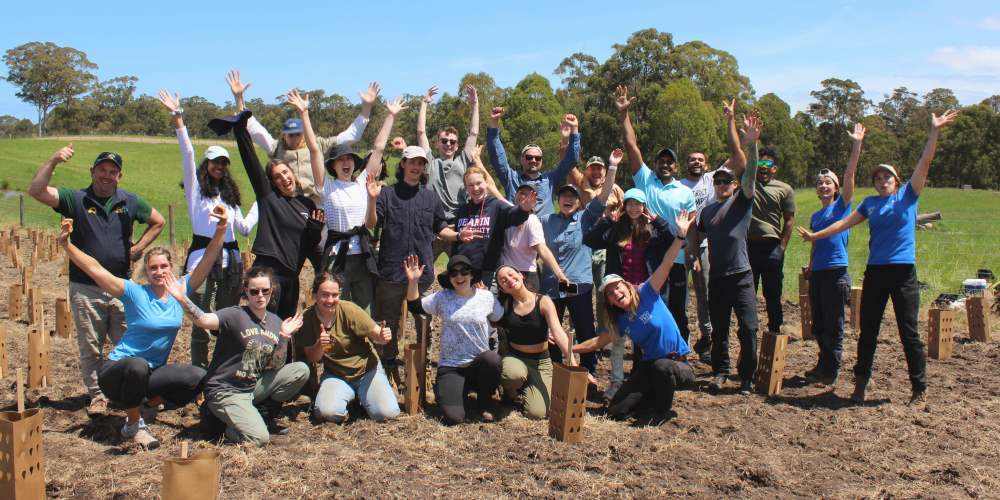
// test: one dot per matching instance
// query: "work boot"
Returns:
(98, 406)
(211, 427)
(704, 348)
(918, 397)
(270, 411)
(746, 387)
(139, 433)
(625, 406)
(859, 391)
(718, 381)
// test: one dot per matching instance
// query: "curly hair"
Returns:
(226, 188)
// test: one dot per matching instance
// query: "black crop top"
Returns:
(529, 329)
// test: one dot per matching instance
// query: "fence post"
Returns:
(170, 222)
(20, 208)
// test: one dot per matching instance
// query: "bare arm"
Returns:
(857, 138)
(200, 272)
(40, 188)
(550, 261)
(301, 103)
(841, 225)
(622, 102)
(919, 177)
(374, 166)
(660, 274)
(108, 282)
(237, 88)
(422, 118)
(786, 230)
(750, 136)
(556, 333)
(473, 138)
(154, 226)
(737, 159)
(201, 319)
(594, 343)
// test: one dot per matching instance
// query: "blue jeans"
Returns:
(373, 389)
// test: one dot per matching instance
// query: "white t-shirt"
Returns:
(465, 328)
(518, 251)
(346, 205)
(704, 192)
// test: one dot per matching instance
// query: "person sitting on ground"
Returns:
(639, 313)
(136, 374)
(466, 364)
(340, 334)
(248, 379)
(532, 324)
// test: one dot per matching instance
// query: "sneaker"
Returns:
(626, 405)
(746, 387)
(918, 398)
(612, 389)
(859, 392)
(717, 382)
(828, 379)
(139, 433)
(98, 406)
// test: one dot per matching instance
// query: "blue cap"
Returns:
(635, 194)
(292, 126)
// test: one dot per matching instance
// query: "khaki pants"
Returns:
(244, 423)
(99, 318)
(531, 379)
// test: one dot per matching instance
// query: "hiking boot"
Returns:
(139, 433)
(828, 379)
(746, 387)
(98, 406)
(612, 389)
(270, 411)
(210, 426)
(717, 382)
(704, 348)
(918, 398)
(626, 405)
(859, 392)
(813, 374)
(149, 413)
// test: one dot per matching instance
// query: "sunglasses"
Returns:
(532, 158)
(459, 271)
(449, 141)
(259, 291)
(719, 181)
(765, 163)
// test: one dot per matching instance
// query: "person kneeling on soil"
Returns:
(531, 323)
(467, 364)
(639, 313)
(137, 369)
(341, 334)
(248, 379)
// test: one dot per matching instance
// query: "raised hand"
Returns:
(63, 155)
(616, 157)
(495, 115)
(684, 221)
(395, 106)
(373, 186)
(622, 100)
(235, 86)
(729, 109)
(805, 234)
(398, 143)
(291, 325)
(752, 126)
(300, 101)
(565, 131)
(412, 267)
(468, 234)
(220, 214)
(859, 133)
(369, 95)
(650, 216)
(174, 286)
(431, 92)
(384, 334)
(940, 122)
(65, 229)
(171, 102)
(318, 216)
(471, 94)
(570, 120)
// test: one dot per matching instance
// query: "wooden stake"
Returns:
(64, 321)
(184, 449)
(20, 391)
(3, 353)
(805, 307)
(38, 359)
(856, 308)
(14, 298)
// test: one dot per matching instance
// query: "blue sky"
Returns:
(784, 47)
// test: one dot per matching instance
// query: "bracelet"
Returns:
(177, 112)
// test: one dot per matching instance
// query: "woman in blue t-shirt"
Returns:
(136, 370)
(892, 258)
(639, 313)
(829, 282)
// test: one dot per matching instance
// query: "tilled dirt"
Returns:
(809, 441)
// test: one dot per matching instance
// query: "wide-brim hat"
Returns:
(454, 262)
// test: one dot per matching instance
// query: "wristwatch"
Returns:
(177, 112)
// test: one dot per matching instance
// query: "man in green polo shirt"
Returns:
(770, 230)
(103, 217)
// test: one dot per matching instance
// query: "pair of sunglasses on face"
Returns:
(765, 163)
(449, 141)
(532, 158)
(253, 292)
(459, 271)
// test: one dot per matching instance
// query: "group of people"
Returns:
(521, 252)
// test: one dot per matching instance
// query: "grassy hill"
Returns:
(966, 240)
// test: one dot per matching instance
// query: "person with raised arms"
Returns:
(829, 281)
(342, 336)
(544, 183)
(892, 259)
(524, 244)
(136, 374)
(466, 363)
(533, 326)
(104, 216)
(665, 196)
(290, 223)
(348, 209)
(248, 378)
(206, 186)
(724, 223)
(639, 313)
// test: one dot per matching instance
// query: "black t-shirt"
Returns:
(727, 237)
(411, 218)
(245, 347)
(490, 219)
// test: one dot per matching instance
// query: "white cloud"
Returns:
(982, 60)
(991, 23)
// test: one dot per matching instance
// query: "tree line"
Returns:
(679, 90)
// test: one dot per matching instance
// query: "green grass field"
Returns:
(967, 239)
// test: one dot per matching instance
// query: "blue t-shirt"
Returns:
(892, 220)
(665, 200)
(831, 252)
(151, 324)
(652, 327)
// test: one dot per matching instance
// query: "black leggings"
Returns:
(128, 381)
(284, 300)
(482, 376)
(899, 282)
(657, 380)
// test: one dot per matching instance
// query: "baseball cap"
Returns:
(214, 152)
(109, 156)
(666, 151)
(410, 152)
(830, 174)
(608, 280)
(635, 194)
(530, 146)
(292, 126)
(595, 160)
(568, 188)
(889, 168)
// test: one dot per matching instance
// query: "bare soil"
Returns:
(809, 441)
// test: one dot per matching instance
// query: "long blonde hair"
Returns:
(615, 311)
(153, 252)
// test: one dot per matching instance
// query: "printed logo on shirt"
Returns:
(479, 224)
(256, 353)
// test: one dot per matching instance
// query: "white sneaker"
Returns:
(139, 433)
(612, 389)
